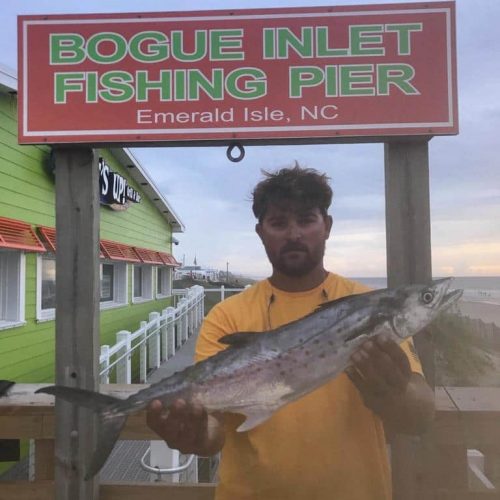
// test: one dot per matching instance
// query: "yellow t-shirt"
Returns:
(325, 446)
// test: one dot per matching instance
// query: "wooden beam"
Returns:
(468, 415)
(77, 314)
(45, 490)
(408, 261)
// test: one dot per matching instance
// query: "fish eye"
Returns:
(427, 297)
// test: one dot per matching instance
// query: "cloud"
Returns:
(212, 195)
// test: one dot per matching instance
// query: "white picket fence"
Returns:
(155, 341)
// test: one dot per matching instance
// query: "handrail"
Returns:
(171, 470)
(466, 418)
(158, 333)
(159, 330)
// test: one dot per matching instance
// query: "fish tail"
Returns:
(112, 415)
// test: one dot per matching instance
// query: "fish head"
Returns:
(415, 306)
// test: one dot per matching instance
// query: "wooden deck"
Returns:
(467, 418)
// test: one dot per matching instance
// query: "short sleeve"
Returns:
(214, 327)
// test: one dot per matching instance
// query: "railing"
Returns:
(222, 290)
(155, 341)
(467, 418)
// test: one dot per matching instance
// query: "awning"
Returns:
(148, 256)
(119, 251)
(112, 250)
(168, 259)
(49, 236)
(19, 235)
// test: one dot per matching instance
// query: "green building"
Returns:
(136, 237)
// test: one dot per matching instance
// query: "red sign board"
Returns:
(267, 74)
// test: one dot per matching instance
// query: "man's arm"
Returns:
(401, 398)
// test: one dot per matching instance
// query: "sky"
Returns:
(212, 196)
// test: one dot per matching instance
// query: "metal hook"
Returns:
(235, 159)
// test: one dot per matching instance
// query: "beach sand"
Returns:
(489, 313)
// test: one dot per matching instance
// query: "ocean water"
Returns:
(476, 288)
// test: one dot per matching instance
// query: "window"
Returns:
(12, 277)
(107, 282)
(113, 284)
(46, 287)
(163, 281)
(142, 283)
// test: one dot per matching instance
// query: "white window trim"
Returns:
(42, 315)
(113, 304)
(139, 300)
(169, 285)
(21, 298)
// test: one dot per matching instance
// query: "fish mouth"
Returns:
(451, 298)
(448, 298)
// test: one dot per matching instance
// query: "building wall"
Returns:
(27, 193)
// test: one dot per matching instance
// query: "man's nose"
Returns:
(294, 231)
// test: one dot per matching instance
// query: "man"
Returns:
(330, 444)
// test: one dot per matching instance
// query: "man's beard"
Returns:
(302, 267)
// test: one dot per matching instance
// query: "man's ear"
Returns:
(258, 229)
(328, 223)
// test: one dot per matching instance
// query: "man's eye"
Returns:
(307, 220)
(277, 224)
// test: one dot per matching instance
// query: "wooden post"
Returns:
(408, 261)
(77, 315)
(408, 225)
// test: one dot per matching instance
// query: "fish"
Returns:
(260, 372)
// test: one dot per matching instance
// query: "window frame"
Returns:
(20, 300)
(120, 285)
(147, 283)
(48, 314)
(169, 273)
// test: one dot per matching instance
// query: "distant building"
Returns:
(197, 272)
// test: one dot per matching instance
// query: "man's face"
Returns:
(294, 238)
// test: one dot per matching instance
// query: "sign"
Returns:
(267, 74)
(114, 189)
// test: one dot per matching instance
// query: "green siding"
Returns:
(27, 193)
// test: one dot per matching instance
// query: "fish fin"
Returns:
(5, 385)
(238, 339)
(81, 397)
(112, 415)
(254, 418)
(108, 432)
(347, 299)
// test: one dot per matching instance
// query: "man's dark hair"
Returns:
(304, 187)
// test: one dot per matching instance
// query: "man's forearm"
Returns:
(409, 412)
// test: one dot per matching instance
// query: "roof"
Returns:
(8, 83)
(139, 174)
(8, 79)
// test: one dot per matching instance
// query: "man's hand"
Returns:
(381, 372)
(186, 427)
(380, 367)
